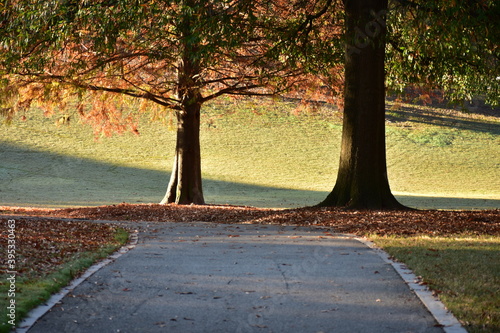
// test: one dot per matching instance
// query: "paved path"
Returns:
(203, 277)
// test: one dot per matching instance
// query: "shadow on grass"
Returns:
(448, 203)
(407, 114)
(36, 178)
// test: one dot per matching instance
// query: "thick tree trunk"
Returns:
(185, 186)
(362, 181)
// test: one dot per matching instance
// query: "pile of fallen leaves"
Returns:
(45, 238)
(398, 222)
(42, 244)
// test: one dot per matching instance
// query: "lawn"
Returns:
(270, 154)
(254, 152)
(464, 270)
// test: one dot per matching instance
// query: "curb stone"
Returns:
(438, 310)
(41, 310)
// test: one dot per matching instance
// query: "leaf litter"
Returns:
(44, 242)
(392, 222)
(42, 245)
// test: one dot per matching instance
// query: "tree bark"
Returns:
(362, 181)
(185, 186)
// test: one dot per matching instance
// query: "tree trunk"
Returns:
(362, 181)
(185, 186)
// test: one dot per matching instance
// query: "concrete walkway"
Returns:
(204, 277)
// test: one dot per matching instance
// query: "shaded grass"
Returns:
(38, 287)
(464, 270)
(276, 157)
(281, 157)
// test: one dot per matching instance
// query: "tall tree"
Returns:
(448, 45)
(362, 180)
(180, 54)
(176, 54)
(453, 46)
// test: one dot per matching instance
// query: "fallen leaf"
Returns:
(49, 242)
(329, 310)
(425, 222)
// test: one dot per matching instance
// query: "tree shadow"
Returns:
(476, 106)
(457, 120)
(448, 203)
(30, 177)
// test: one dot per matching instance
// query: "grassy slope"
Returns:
(254, 153)
(444, 152)
(262, 155)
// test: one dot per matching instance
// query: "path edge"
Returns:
(438, 310)
(42, 309)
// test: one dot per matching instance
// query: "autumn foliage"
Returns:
(110, 61)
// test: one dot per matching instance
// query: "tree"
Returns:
(175, 54)
(362, 180)
(181, 54)
(452, 46)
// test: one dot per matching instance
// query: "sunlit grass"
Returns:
(254, 152)
(266, 153)
(464, 270)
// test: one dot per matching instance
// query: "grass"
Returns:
(263, 153)
(455, 153)
(464, 270)
(37, 288)
(254, 152)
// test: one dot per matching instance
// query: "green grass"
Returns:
(254, 152)
(33, 291)
(263, 153)
(464, 270)
(446, 153)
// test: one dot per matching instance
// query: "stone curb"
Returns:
(438, 310)
(39, 311)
